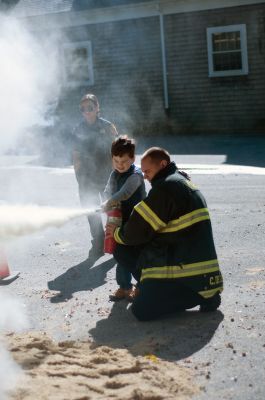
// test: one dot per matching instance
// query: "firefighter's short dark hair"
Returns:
(156, 154)
(123, 145)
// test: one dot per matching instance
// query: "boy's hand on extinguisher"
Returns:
(110, 228)
(105, 206)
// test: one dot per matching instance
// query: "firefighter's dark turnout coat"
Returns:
(173, 224)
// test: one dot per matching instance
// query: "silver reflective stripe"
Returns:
(180, 271)
(210, 293)
(117, 236)
(149, 216)
(186, 220)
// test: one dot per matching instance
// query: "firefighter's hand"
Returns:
(110, 228)
(109, 204)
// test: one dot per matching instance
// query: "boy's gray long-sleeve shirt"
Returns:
(126, 191)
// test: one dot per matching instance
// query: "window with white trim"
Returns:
(78, 63)
(227, 50)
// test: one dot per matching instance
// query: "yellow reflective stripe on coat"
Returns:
(210, 293)
(186, 220)
(180, 271)
(117, 236)
(149, 216)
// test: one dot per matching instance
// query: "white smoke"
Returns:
(22, 220)
(17, 221)
(9, 370)
(28, 80)
(12, 319)
(12, 315)
(30, 85)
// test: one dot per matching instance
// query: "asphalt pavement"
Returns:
(66, 295)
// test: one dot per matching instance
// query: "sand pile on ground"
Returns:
(82, 371)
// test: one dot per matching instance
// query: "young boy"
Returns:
(125, 189)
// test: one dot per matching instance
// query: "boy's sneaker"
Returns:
(211, 304)
(132, 294)
(119, 294)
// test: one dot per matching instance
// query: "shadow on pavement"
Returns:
(79, 278)
(246, 150)
(239, 150)
(172, 338)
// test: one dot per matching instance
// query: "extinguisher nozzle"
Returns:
(92, 211)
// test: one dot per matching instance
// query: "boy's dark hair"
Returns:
(156, 154)
(123, 145)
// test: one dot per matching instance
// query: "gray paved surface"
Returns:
(228, 347)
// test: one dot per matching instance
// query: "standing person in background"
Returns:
(92, 140)
(125, 189)
(168, 243)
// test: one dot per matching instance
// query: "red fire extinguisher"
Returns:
(113, 217)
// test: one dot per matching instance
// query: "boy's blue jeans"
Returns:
(123, 277)
(126, 257)
(123, 273)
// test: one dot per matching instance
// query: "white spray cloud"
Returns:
(12, 319)
(28, 80)
(12, 315)
(17, 221)
(22, 220)
(9, 370)
(30, 86)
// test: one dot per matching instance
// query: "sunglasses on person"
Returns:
(87, 109)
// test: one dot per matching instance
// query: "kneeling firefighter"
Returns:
(168, 243)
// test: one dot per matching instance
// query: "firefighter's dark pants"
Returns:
(89, 196)
(157, 296)
(160, 297)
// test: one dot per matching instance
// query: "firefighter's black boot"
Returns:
(211, 304)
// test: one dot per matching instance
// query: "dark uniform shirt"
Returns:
(93, 143)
